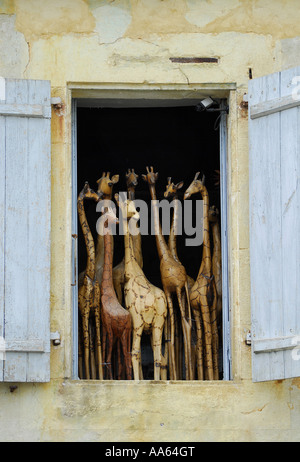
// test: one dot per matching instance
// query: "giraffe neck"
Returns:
(131, 192)
(130, 260)
(107, 279)
(100, 245)
(88, 238)
(173, 232)
(162, 248)
(205, 268)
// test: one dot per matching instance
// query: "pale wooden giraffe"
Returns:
(216, 256)
(146, 303)
(119, 270)
(171, 193)
(174, 280)
(116, 321)
(89, 291)
(203, 290)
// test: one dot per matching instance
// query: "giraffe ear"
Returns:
(144, 177)
(179, 185)
(115, 179)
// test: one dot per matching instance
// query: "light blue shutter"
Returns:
(274, 160)
(25, 163)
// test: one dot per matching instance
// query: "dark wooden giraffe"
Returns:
(116, 320)
(89, 291)
(203, 291)
(174, 281)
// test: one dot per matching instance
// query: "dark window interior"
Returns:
(176, 141)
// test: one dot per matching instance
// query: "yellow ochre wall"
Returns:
(124, 44)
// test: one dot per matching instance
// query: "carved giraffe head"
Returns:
(131, 178)
(213, 214)
(127, 208)
(172, 189)
(195, 187)
(131, 182)
(88, 193)
(151, 177)
(105, 184)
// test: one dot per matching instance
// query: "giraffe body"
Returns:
(116, 320)
(203, 290)
(146, 303)
(89, 291)
(174, 281)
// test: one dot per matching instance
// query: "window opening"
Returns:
(178, 142)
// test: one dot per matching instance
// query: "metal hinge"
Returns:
(55, 338)
(248, 340)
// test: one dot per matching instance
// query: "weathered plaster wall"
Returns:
(129, 42)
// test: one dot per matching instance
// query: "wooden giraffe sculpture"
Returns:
(172, 193)
(105, 186)
(217, 256)
(174, 280)
(116, 321)
(89, 291)
(118, 270)
(202, 290)
(146, 303)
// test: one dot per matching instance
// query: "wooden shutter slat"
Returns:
(27, 235)
(273, 106)
(274, 229)
(25, 110)
(2, 231)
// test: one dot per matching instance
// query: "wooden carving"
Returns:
(216, 257)
(174, 281)
(118, 270)
(116, 321)
(105, 187)
(89, 291)
(172, 193)
(203, 290)
(146, 303)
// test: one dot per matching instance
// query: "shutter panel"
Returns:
(25, 183)
(274, 169)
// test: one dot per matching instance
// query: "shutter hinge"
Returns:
(55, 337)
(248, 340)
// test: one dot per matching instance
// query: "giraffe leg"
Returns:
(86, 343)
(104, 351)
(156, 339)
(207, 335)
(80, 353)
(92, 353)
(173, 374)
(199, 348)
(187, 333)
(164, 357)
(124, 343)
(136, 351)
(109, 353)
(215, 336)
(98, 330)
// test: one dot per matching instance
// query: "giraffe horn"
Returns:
(169, 180)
